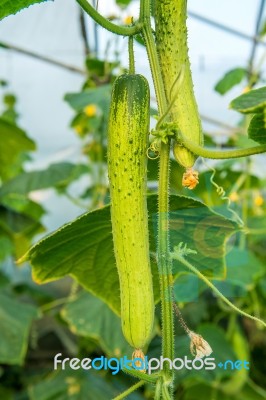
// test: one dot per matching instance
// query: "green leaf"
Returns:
(15, 223)
(83, 248)
(243, 268)
(100, 96)
(6, 394)
(19, 228)
(252, 102)
(257, 128)
(23, 206)
(6, 247)
(123, 3)
(8, 7)
(16, 318)
(73, 385)
(230, 79)
(88, 316)
(186, 288)
(99, 67)
(250, 392)
(203, 231)
(59, 174)
(139, 40)
(13, 141)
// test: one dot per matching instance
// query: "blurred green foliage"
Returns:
(39, 321)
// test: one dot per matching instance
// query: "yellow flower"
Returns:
(128, 20)
(246, 89)
(233, 196)
(258, 201)
(90, 110)
(78, 129)
(198, 346)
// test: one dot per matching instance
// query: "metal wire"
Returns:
(226, 28)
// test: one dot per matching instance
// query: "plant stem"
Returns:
(131, 55)
(164, 259)
(105, 23)
(130, 390)
(213, 288)
(154, 63)
(246, 198)
(141, 375)
(158, 390)
(221, 154)
(165, 393)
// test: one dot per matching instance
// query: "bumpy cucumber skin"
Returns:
(128, 131)
(171, 39)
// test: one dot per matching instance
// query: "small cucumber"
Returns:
(128, 132)
(171, 39)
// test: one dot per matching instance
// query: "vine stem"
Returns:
(158, 390)
(131, 55)
(105, 23)
(164, 259)
(129, 391)
(141, 375)
(221, 154)
(187, 264)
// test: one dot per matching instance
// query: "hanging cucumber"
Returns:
(171, 38)
(127, 168)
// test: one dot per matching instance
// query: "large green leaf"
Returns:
(249, 392)
(243, 268)
(203, 230)
(230, 79)
(123, 3)
(100, 96)
(250, 102)
(88, 316)
(257, 128)
(19, 228)
(23, 205)
(13, 223)
(83, 248)
(59, 174)
(13, 141)
(6, 246)
(16, 318)
(73, 385)
(8, 7)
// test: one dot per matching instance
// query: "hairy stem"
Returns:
(187, 264)
(164, 259)
(105, 23)
(129, 391)
(141, 375)
(221, 154)
(131, 55)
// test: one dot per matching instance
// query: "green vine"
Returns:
(164, 259)
(105, 23)
(129, 391)
(177, 255)
(131, 55)
(220, 154)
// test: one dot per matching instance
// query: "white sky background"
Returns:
(52, 29)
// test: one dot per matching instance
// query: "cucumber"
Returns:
(128, 132)
(171, 40)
